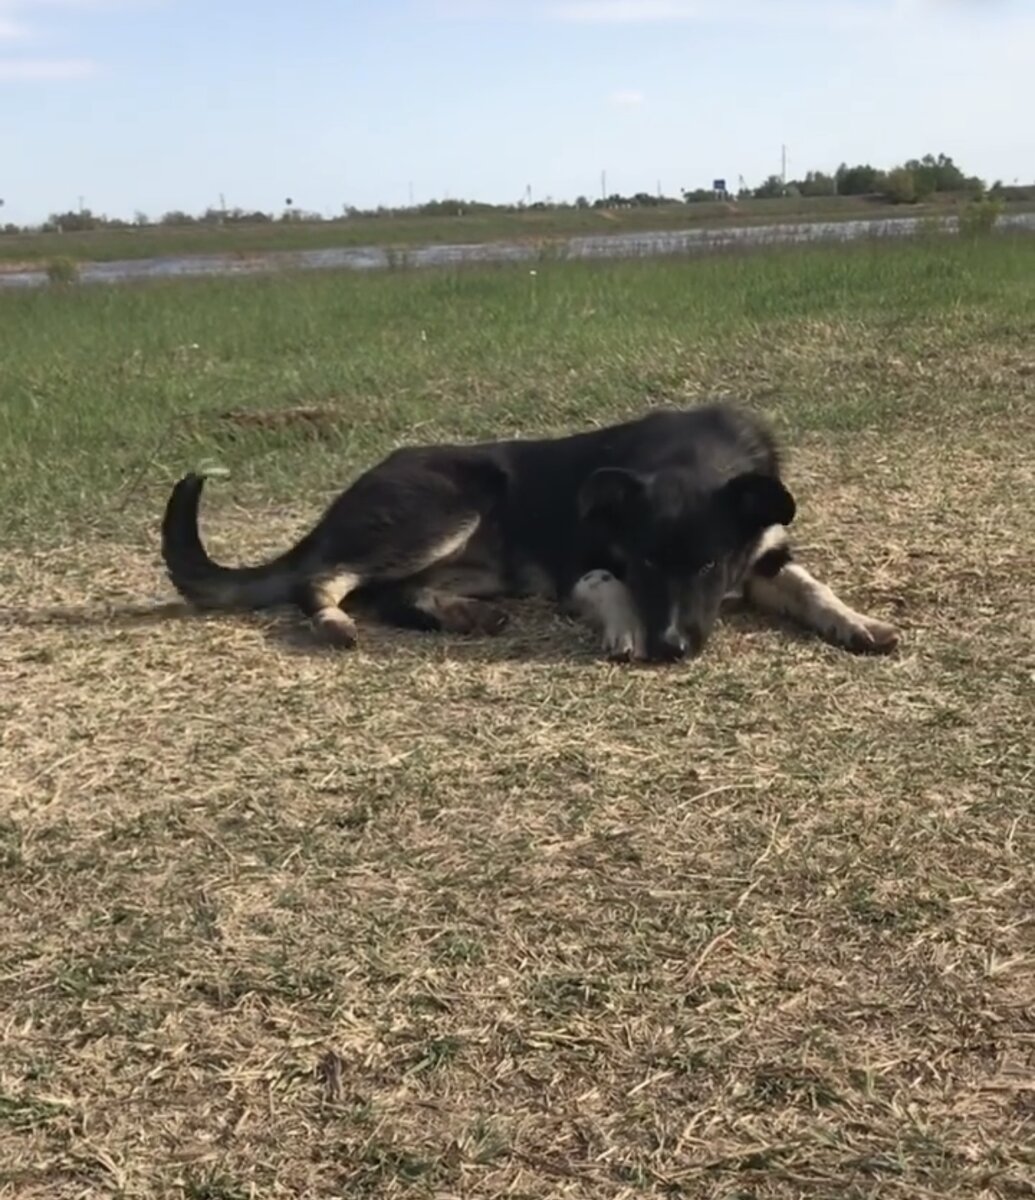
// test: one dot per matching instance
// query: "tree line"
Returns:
(913, 181)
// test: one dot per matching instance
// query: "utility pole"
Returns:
(783, 165)
(603, 186)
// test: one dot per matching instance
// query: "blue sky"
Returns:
(151, 105)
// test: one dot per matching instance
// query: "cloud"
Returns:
(21, 69)
(25, 21)
(627, 98)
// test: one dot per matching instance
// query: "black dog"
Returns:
(642, 527)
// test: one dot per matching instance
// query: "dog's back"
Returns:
(714, 442)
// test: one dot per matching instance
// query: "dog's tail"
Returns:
(205, 583)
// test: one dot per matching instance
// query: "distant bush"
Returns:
(860, 180)
(816, 183)
(62, 271)
(73, 222)
(900, 186)
(1011, 192)
(699, 196)
(979, 217)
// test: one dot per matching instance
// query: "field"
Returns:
(248, 240)
(465, 918)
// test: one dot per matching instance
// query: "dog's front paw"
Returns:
(624, 645)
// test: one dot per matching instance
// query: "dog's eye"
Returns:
(707, 568)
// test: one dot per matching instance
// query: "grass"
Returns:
(103, 245)
(448, 917)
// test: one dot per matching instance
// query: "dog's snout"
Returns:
(674, 646)
(670, 647)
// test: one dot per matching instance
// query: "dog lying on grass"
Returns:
(641, 528)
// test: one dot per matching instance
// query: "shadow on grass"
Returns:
(535, 632)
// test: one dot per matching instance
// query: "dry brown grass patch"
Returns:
(494, 918)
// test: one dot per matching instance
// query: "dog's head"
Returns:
(682, 545)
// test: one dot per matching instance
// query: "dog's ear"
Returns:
(757, 501)
(610, 496)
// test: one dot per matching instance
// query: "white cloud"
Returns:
(24, 21)
(628, 98)
(46, 68)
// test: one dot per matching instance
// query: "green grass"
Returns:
(112, 390)
(105, 245)
(492, 917)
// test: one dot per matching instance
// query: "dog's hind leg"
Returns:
(402, 555)
(431, 609)
(413, 512)
(793, 592)
(320, 599)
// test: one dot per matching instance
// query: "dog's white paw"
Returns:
(606, 601)
(624, 644)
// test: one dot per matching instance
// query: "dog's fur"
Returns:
(642, 528)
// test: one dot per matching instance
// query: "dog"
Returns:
(641, 528)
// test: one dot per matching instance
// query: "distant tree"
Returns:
(861, 180)
(615, 200)
(901, 186)
(772, 188)
(581, 202)
(816, 183)
(926, 176)
(176, 217)
(940, 174)
(73, 221)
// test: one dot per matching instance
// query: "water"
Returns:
(615, 245)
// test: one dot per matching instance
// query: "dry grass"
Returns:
(496, 919)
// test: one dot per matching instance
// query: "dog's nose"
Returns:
(669, 648)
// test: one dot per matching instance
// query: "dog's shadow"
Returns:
(535, 632)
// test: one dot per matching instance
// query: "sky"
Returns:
(129, 106)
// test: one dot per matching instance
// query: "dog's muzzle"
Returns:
(673, 646)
